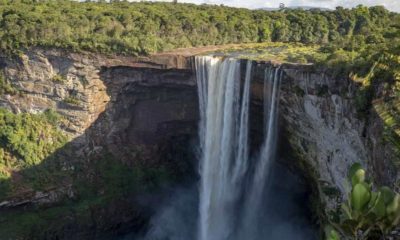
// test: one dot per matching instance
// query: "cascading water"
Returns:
(232, 186)
(259, 178)
(242, 195)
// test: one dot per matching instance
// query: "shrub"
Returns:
(6, 87)
(58, 78)
(72, 100)
(367, 213)
(26, 139)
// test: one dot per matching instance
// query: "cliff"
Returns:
(143, 112)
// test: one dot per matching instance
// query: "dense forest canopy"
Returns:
(146, 27)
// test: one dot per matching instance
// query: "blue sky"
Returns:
(393, 5)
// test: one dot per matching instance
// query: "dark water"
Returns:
(285, 216)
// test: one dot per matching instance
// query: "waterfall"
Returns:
(232, 184)
(255, 196)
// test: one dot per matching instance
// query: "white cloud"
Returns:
(392, 5)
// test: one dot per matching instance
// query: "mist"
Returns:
(285, 215)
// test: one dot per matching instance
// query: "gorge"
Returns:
(236, 195)
(175, 121)
(145, 112)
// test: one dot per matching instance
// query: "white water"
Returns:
(242, 195)
(232, 188)
(254, 200)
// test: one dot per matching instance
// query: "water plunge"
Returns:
(243, 194)
(232, 185)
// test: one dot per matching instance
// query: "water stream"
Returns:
(241, 195)
(232, 186)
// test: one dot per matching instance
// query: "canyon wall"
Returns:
(145, 109)
(105, 100)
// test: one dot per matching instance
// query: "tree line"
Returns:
(145, 27)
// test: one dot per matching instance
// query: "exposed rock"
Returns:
(320, 121)
(325, 126)
(39, 198)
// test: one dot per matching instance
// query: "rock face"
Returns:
(148, 107)
(105, 100)
(323, 128)
(142, 111)
(136, 108)
(329, 125)
(321, 124)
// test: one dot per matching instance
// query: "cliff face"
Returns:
(118, 102)
(325, 134)
(148, 107)
(324, 127)
(141, 110)
(130, 124)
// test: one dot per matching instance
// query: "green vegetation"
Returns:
(389, 112)
(29, 137)
(95, 187)
(331, 234)
(72, 100)
(115, 179)
(142, 28)
(25, 141)
(276, 51)
(58, 78)
(384, 74)
(5, 86)
(367, 214)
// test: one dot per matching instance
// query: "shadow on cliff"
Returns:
(106, 180)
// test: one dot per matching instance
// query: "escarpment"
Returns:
(144, 113)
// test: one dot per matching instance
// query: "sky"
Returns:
(392, 5)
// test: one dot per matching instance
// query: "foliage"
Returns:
(29, 137)
(146, 27)
(72, 100)
(276, 51)
(376, 69)
(95, 187)
(6, 87)
(389, 112)
(58, 78)
(25, 141)
(387, 106)
(367, 212)
(331, 234)
(114, 178)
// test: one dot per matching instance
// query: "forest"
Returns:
(145, 27)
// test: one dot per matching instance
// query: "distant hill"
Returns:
(298, 7)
